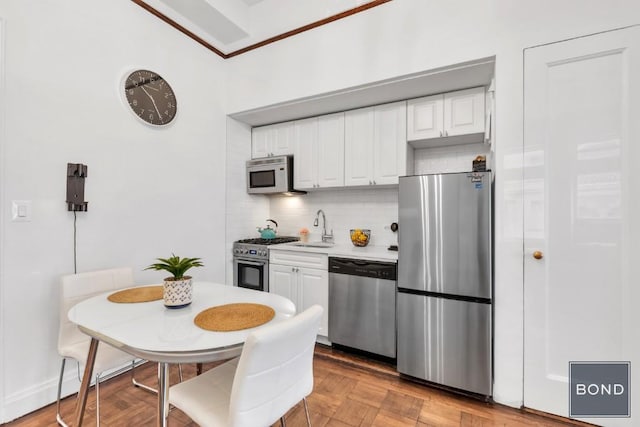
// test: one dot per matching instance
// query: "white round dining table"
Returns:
(151, 331)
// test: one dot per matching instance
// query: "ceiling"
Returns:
(229, 26)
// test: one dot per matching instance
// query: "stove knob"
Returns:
(236, 251)
(263, 253)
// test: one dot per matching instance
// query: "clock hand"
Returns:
(153, 102)
(151, 87)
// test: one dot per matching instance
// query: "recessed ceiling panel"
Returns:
(208, 19)
(232, 27)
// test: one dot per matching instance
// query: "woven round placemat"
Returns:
(234, 317)
(142, 294)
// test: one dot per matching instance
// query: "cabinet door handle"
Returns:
(538, 255)
(374, 182)
(446, 133)
(440, 133)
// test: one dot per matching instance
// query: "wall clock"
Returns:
(150, 97)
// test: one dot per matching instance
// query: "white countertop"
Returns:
(374, 253)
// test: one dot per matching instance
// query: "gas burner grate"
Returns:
(275, 241)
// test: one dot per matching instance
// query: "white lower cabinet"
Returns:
(304, 279)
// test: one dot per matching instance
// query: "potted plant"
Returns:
(177, 288)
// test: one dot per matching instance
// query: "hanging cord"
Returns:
(75, 252)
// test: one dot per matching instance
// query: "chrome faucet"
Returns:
(325, 237)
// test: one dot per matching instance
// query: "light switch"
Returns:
(21, 210)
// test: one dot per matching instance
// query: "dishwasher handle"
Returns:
(365, 268)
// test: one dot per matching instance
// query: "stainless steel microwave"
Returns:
(270, 175)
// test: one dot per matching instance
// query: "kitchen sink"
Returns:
(313, 244)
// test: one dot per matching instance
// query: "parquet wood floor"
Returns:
(349, 391)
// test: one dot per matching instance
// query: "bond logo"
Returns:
(599, 389)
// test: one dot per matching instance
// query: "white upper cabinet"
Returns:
(319, 152)
(305, 168)
(376, 145)
(358, 146)
(458, 114)
(330, 151)
(389, 143)
(272, 140)
(425, 117)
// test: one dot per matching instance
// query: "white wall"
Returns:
(409, 36)
(151, 191)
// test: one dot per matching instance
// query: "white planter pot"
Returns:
(178, 293)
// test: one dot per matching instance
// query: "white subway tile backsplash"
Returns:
(372, 208)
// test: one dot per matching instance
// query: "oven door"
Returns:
(251, 274)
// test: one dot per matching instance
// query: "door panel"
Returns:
(389, 143)
(314, 290)
(445, 243)
(304, 168)
(358, 131)
(331, 150)
(283, 282)
(581, 140)
(445, 341)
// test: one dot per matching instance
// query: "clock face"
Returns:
(150, 97)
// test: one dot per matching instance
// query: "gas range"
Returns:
(258, 248)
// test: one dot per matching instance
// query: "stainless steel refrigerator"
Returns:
(444, 299)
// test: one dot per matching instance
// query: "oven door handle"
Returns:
(257, 264)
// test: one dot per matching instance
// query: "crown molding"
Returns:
(265, 42)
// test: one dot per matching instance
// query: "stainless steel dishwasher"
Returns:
(362, 305)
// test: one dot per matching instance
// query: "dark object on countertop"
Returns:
(394, 226)
(392, 248)
(480, 164)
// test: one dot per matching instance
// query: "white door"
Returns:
(464, 112)
(331, 150)
(425, 118)
(284, 141)
(305, 157)
(582, 213)
(358, 140)
(283, 281)
(389, 143)
(262, 139)
(314, 289)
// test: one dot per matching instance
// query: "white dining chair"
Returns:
(273, 373)
(73, 344)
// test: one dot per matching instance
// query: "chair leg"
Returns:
(58, 416)
(282, 424)
(97, 400)
(139, 384)
(306, 411)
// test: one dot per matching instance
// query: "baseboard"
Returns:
(40, 395)
(37, 396)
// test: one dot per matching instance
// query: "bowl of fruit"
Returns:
(360, 237)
